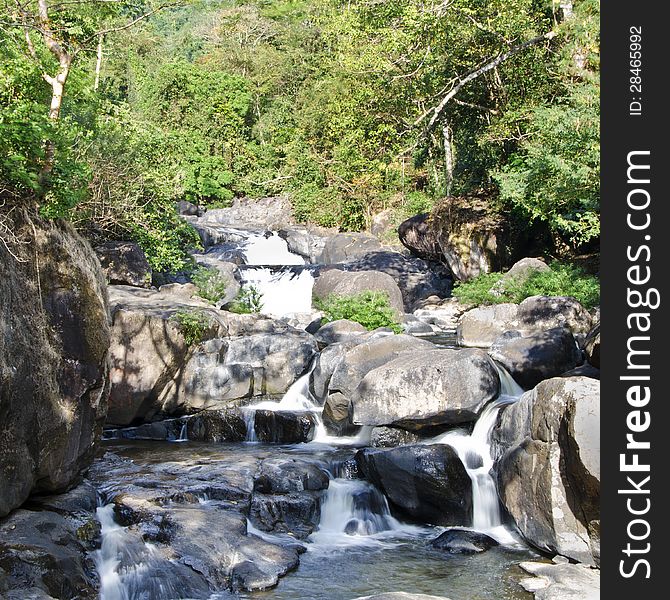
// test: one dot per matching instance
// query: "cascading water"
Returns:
(267, 250)
(474, 450)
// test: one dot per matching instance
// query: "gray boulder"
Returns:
(519, 273)
(539, 313)
(217, 426)
(345, 247)
(340, 331)
(482, 326)
(334, 282)
(547, 447)
(124, 263)
(325, 365)
(425, 482)
(430, 387)
(54, 359)
(539, 356)
(391, 437)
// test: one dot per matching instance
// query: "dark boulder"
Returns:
(284, 427)
(417, 235)
(536, 357)
(425, 482)
(463, 541)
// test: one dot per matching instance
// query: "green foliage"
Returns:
(193, 325)
(561, 279)
(370, 309)
(210, 284)
(249, 300)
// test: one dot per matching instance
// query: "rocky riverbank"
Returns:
(273, 434)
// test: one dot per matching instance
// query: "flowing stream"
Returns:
(359, 546)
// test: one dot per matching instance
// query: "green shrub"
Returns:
(370, 309)
(249, 300)
(561, 280)
(210, 283)
(193, 325)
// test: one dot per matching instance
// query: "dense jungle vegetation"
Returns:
(348, 107)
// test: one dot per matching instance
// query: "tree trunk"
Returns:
(448, 158)
(98, 63)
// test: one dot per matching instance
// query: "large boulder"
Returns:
(271, 213)
(340, 331)
(473, 237)
(54, 358)
(539, 313)
(561, 581)
(325, 364)
(284, 427)
(539, 356)
(482, 326)
(425, 388)
(307, 242)
(416, 278)
(345, 247)
(124, 263)
(547, 447)
(353, 366)
(425, 482)
(418, 236)
(345, 283)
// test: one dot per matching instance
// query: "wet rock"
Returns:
(401, 596)
(413, 326)
(217, 426)
(345, 283)
(284, 476)
(54, 359)
(561, 581)
(391, 437)
(425, 388)
(306, 242)
(337, 415)
(547, 447)
(536, 357)
(418, 237)
(464, 541)
(46, 552)
(345, 247)
(338, 331)
(284, 427)
(426, 482)
(124, 263)
(294, 513)
(592, 346)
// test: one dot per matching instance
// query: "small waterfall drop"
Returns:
(474, 450)
(284, 291)
(269, 250)
(183, 434)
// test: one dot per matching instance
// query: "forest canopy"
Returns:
(348, 107)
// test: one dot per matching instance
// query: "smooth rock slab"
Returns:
(425, 388)
(561, 582)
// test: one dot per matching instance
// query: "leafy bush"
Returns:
(210, 283)
(370, 309)
(561, 280)
(193, 325)
(249, 300)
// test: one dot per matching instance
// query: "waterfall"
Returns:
(284, 291)
(183, 434)
(474, 450)
(268, 250)
(354, 512)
